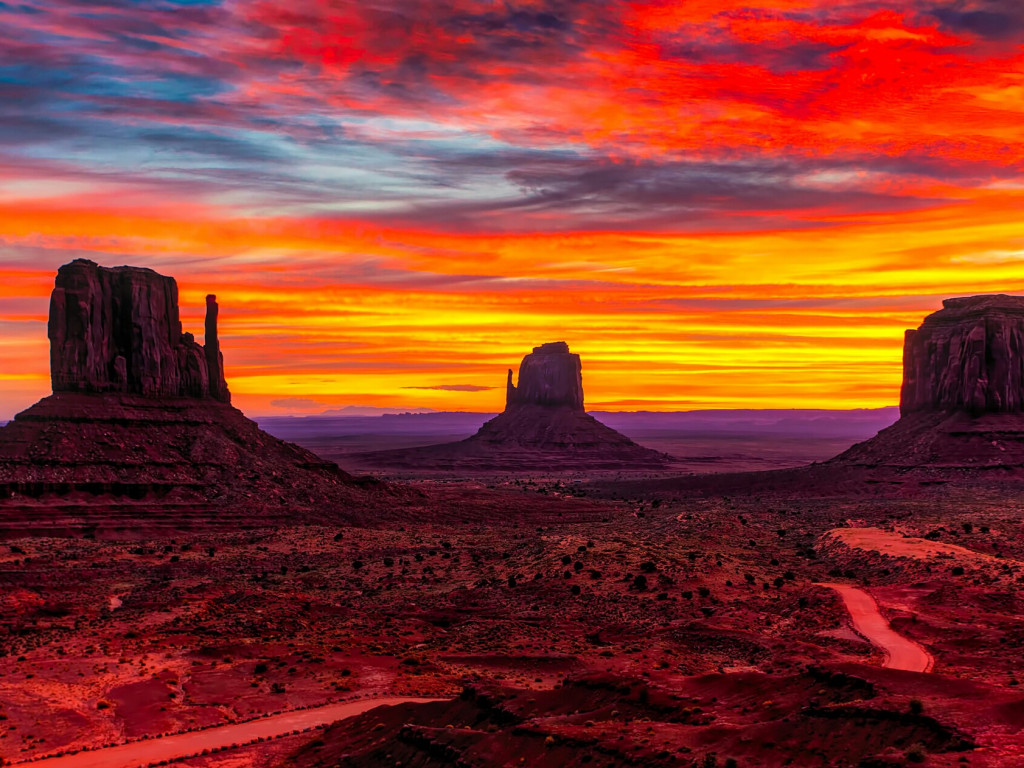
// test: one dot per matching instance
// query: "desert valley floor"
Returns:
(556, 623)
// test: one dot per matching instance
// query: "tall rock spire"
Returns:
(214, 359)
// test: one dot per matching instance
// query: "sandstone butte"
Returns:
(139, 434)
(962, 398)
(544, 427)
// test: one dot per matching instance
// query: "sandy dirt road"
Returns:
(900, 653)
(144, 753)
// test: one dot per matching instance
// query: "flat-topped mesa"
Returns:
(549, 376)
(118, 330)
(968, 356)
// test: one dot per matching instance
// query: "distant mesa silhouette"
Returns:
(544, 427)
(962, 417)
(139, 434)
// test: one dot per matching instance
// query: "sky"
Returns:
(717, 203)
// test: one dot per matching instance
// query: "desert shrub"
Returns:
(640, 582)
(917, 754)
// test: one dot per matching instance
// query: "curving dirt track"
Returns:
(900, 653)
(144, 753)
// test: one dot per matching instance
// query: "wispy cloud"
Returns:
(409, 191)
(454, 387)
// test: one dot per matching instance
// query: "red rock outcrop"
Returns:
(139, 435)
(968, 356)
(544, 427)
(117, 330)
(550, 376)
(962, 400)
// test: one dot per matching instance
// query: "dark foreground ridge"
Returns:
(544, 427)
(139, 435)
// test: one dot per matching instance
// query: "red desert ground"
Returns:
(534, 383)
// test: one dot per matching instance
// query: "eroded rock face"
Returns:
(968, 356)
(118, 330)
(549, 376)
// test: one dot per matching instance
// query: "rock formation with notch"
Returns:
(117, 330)
(544, 427)
(550, 376)
(139, 434)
